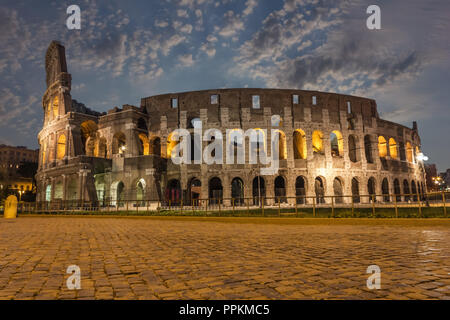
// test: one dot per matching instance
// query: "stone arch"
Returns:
(171, 144)
(144, 144)
(119, 144)
(353, 150)
(88, 134)
(48, 193)
(282, 147)
(117, 193)
(300, 189)
(142, 124)
(397, 190)
(101, 150)
(300, 149)
(338, 189)
(382, 147)
(215, 190)
(140, 192)
(393, 149)
(385, 190)
(371, 188)
(406, 190)
(259, 189)
(194, 191)
(414, 190)
(55, 107)
(61, 147)
(280, 189)
(355, 190)
(368, 148)
(155, 146)
(317, 142)
(319, 188)
(173, 192)
(237, 191)
(409, 152)
(337, 143)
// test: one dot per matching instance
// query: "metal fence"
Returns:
(374, 205)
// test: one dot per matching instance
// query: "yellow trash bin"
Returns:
(10, 207)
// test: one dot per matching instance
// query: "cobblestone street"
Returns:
(177, 258)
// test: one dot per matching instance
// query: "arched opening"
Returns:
(282, 148)
(300, 190)
(140, 192)
(117, 193)
(142, 124)
(337, 144)
(44, 153)
(119, 143)
(61, 148)
(382, 147)
(55, 107)
(195, 190)
(88, 134)
(319, 187)
(406, 191)
(280, 189)
(355, 191)
(155, 146)
(385, 190)
(101, 150)
(259, 190)
(48, 193)
(300, 150)
(144, 145)
(215, 191)
(173, 193)
(237, 191)
(402, 151)
(368, 149)
(257, 145)
(414, 190)
(409, 152)
(317, 142)
(393, 149)
(371, 188)
(338, 190)
(195, 123)
(171, 144)
(397, 190)
(353, 151)
(99, 182)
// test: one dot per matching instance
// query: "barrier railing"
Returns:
(374, 205)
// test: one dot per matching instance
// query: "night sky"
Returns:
(127, 50)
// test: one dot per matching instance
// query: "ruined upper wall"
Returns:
(237, 99)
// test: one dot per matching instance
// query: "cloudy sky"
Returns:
(127, 50)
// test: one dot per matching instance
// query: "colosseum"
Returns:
(329, 145)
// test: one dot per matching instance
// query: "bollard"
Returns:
(373, 206)
(332, 206)
(443, 202)
(10, 207)
(396, 208)
(314, 207)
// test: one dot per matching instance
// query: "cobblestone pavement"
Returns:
(147, 258)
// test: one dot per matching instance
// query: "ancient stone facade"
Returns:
(330, 144)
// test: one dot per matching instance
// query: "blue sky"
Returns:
(127, 50)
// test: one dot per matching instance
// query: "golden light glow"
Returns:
(300, 149)
(393, 148)
(61, 148)
(317, 141)
(382, 147)
(282, 148)
(44, 153)
(55, 107)
(409, 152)
(337, 144)
(171, 144)
(145, 144)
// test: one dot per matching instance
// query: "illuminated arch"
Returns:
(393, 150)
(317, 141)
(145, 145)
(409, 152)
(337, 144)
(55, 107)
(61, 148)
(300, 149)
(44, 153)
(171, 144)
(382, 147)
(282, 148)
(119, 143)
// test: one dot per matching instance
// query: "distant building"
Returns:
(10, 160)
(431, 172)
(446, 178)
